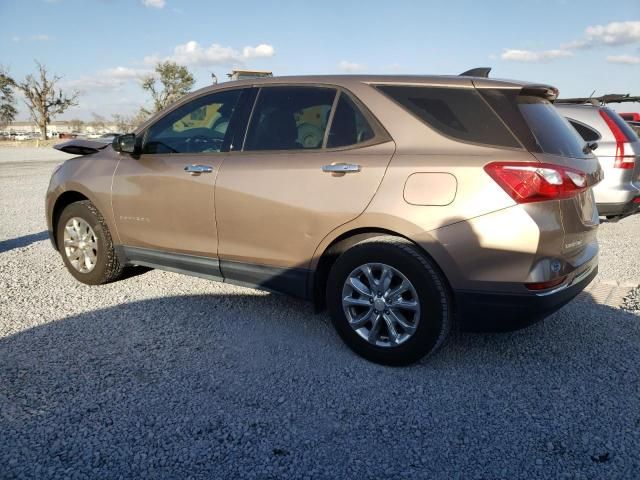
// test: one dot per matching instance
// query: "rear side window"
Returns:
(587, 134)
(460, 113)
(349, 126)
(290, 118)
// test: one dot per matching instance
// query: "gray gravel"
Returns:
(632, 302)
(167, 376)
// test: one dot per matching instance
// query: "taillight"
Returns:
(536, 182)
(621, 161)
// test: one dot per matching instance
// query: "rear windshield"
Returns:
(553, 133)
(622, 125)
(459, 113)
(536, 123)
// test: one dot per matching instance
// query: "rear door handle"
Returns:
(341, 168)
(198, 169)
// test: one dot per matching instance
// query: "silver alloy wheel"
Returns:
(80, 245)
(381, 304)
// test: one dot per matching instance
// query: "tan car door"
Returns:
(163, 200)
(279, 197)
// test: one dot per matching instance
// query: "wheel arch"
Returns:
(64, 200)
(320, 275)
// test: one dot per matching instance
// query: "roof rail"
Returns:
(602, 100)
(477, 72)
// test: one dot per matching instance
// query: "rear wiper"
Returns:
(589, 147)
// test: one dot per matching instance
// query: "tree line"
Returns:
(45, 99)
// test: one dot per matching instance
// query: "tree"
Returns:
(175, 82)
(99, 123)
(76, 124)
(43, 99)
(128, 123)
(8, 110)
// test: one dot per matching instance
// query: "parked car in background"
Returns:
(618, 150)
(630, 117)
(399, 202)
(22, 136)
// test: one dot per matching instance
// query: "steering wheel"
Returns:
(208, 142)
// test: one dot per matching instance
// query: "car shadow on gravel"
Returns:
(24, 241)
(256, 386)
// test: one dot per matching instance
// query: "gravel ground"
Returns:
(632, 302)
(162, 375)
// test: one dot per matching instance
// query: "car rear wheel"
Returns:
(388, 301)
(85, 243)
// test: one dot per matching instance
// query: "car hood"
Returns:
(81, 146)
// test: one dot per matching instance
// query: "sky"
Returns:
(101, 48)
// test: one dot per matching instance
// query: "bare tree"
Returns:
(8, 110)
(128, 123)
(43, 99)
(99, 123)
(174, 81)
(76, 124)
(123, 123)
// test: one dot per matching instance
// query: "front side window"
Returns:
(349, 126)
(199, 126)
(290, 118)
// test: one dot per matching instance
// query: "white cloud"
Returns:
(351, 67)
(615, 33)
(261, 51)
(576, 45)
(41, 38)
(193, 54)
(124, 73)
(154, 3)
(109, 79)
(624, 59)
(533, 56)
(611, 34)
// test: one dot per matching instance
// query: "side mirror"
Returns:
(590, 147)
(126, 144)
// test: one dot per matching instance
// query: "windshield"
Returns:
(553, 133)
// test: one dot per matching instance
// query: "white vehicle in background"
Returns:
(618, 151)
(22, 136)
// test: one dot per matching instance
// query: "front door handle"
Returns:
(341, 168)
(198, 169)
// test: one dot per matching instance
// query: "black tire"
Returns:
(107, 268)
(435, 316)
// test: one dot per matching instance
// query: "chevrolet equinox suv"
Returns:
(400, 203)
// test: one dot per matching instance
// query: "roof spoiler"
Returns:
(482, 72)
(545, 91)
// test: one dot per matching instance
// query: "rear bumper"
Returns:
(483, 311)
(619, 209)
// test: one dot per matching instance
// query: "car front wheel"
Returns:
(84, 241)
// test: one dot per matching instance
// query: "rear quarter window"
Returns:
(459, 113)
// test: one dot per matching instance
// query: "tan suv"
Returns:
(400, 203)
